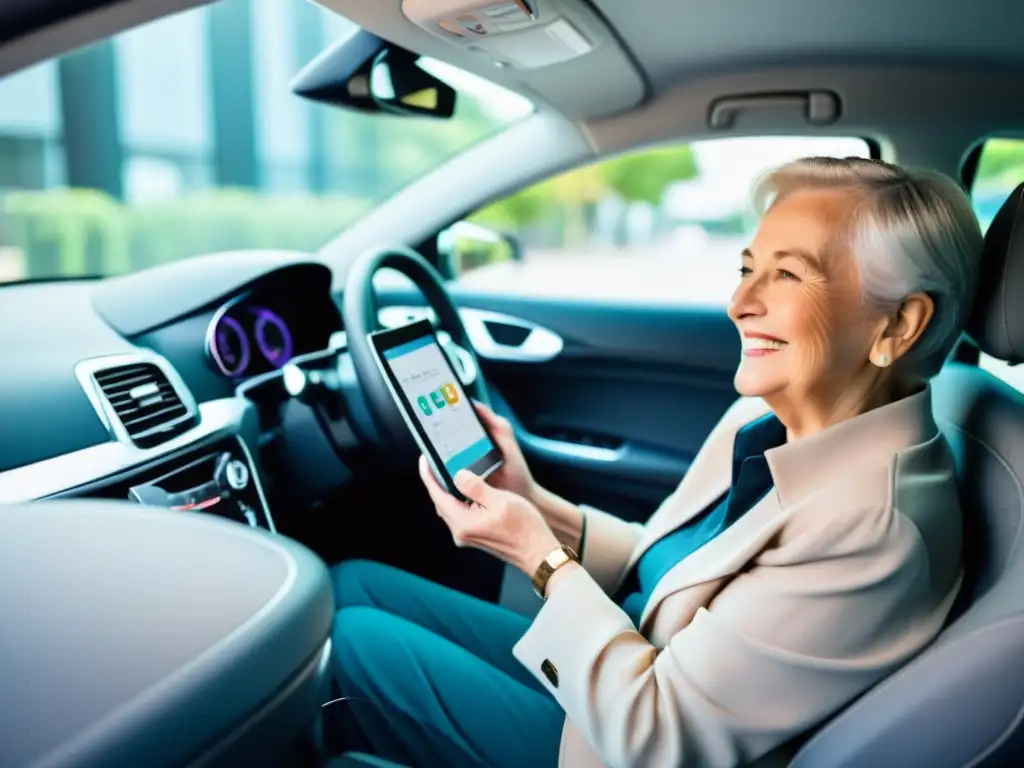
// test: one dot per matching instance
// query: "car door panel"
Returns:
(615, 416)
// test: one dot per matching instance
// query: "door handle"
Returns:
(532, 343)
(562, 449)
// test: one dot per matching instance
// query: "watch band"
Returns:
(555, 560)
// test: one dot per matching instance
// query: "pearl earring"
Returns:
(884, 360)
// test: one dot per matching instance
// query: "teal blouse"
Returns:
(751, 482)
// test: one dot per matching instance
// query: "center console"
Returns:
(218, 478)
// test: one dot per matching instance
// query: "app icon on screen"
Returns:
(438, 398)
(451, 394)
(424, 405)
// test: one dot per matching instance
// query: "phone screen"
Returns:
(441, 406)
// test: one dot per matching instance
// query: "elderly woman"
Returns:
(813, 547)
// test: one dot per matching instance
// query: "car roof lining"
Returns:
(562, 86)
(679, 39)
(891, 97)
(888, 104)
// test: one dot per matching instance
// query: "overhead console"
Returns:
(547, 50)
(525, 34)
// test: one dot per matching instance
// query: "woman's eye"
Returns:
(744, 271)
(785, 274)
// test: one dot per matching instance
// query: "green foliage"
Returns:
(1001, 165)
(517, 210)
(635, 177)
(644, 176)
(61, 233)
(82, 231)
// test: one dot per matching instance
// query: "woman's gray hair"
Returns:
(911, 231)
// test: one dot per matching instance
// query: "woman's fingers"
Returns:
(447, 505)
(437, 494)
(452, 511)
(490, 418)
(476, 489)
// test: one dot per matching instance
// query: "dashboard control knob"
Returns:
(295, 380)
(237, 475)
(316, 386)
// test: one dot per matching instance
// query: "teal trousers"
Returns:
(429, 676)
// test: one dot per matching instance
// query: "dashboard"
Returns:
(107, 380)
(222, 383)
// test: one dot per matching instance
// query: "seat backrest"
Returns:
(961, 701)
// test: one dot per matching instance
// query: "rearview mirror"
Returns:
(398, 84)
(465, 246)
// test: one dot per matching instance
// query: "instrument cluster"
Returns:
(255, 335)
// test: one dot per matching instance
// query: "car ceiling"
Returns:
(674, 40)
(670, 40)
(678, 39)
(899, 66)
(657, 64)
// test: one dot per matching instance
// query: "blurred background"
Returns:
(182, 137)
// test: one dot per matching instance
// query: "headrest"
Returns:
(997, 322)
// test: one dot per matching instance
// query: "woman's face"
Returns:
(805, 331)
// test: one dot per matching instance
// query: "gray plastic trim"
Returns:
(541, 345)
(218, 419)
(257, 617)
(312, 680)
(254, 473)
(87, 370)
(560, 448)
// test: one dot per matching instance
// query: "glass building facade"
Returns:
(183, 137)
(183, 103)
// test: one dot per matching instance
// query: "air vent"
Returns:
(141, 403)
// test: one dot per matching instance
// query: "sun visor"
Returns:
(524, 34)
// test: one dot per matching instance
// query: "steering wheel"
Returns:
(360, 313)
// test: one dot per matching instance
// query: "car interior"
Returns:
(187, 446)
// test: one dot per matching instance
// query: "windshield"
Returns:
(182, 137)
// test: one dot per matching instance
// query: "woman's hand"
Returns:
(563, 518)
(497, 521)
(513, 475)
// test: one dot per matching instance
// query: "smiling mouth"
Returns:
(756, 347)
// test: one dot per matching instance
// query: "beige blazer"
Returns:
(835, 579)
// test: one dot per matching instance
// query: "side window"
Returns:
(663, 225)
(1000, 170)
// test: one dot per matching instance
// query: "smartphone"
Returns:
(427, 391)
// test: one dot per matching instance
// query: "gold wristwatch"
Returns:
(555, 560)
